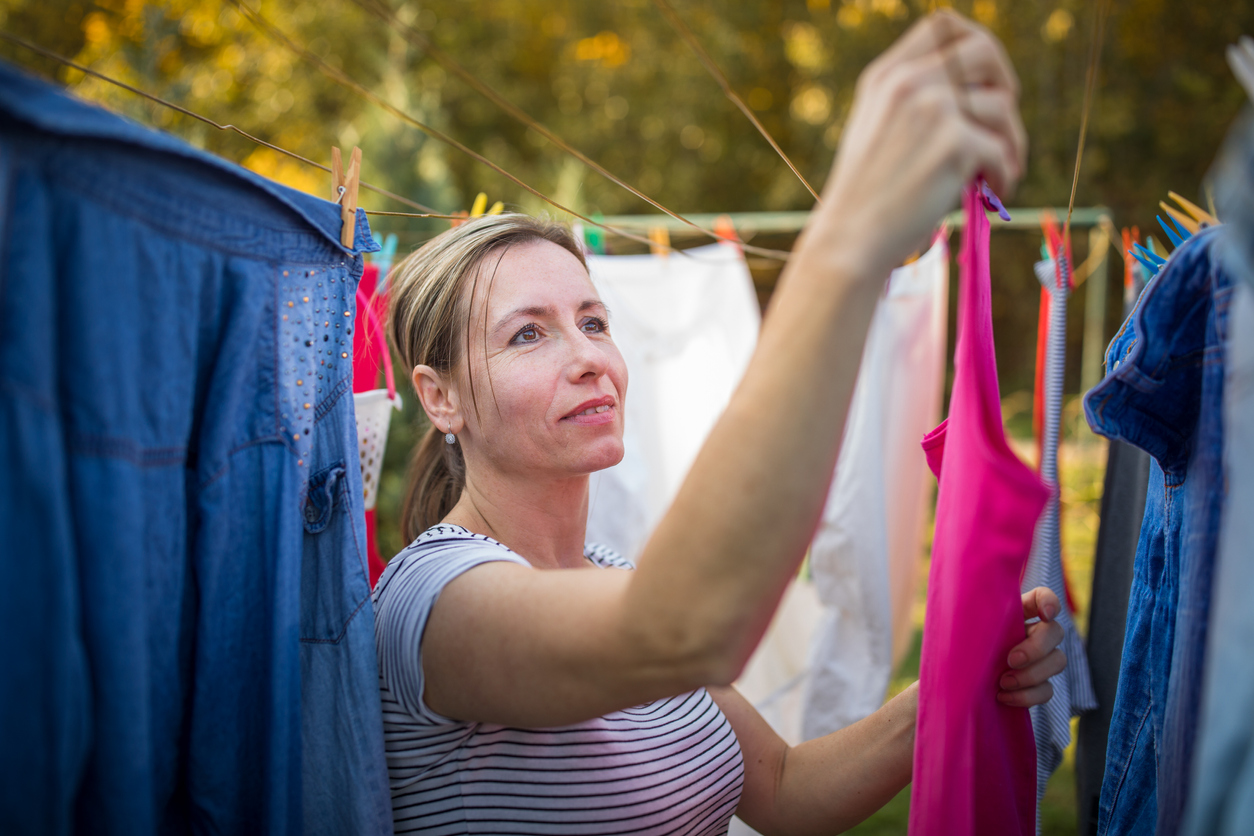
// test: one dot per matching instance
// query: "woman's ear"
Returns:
(438, 398)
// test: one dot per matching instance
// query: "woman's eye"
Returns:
(595, 325)
(526, 334)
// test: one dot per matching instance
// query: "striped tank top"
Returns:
(671, 766)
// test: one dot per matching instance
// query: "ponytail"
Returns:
(437, 474)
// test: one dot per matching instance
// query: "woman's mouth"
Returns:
(590, 413)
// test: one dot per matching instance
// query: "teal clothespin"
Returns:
(384, 257)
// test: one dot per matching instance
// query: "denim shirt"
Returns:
(1163, 393)
(183, 596)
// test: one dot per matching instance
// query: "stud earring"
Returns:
(449, 438)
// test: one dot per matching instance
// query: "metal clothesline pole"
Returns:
(750, 223)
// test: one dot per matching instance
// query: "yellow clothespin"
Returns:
(1198, 213)
(344, 191)
(481, 203)
(659, 241)
(497, 208)
(1179, 217)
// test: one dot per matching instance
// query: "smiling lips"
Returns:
(600, 411)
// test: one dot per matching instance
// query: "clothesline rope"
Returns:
(341, 78)
(1090, 82)
(677, 22)
(380, 10)
(429, 212)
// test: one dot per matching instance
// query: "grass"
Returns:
(1082, 463)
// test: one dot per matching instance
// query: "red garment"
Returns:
(974, 758)
(367, 367)
(367, 347)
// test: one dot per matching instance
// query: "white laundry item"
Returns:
(864, 557)
(687, 325)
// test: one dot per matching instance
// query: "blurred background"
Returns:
(618, 83)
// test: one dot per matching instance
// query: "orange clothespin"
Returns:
(659, 241)
(462, 216)
(725, 229)
(344, 186)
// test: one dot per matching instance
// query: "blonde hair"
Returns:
(429, 295)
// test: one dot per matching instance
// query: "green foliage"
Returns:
(619, 84)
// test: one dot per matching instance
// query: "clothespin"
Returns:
(724, 228)
(596, 236)
(659, 241)
(1055, 246)
(1129, 236)
(384, 257)
(344, 191)
(1177, 233)
(481, 203)
(992, 201)
(462, 217)
(497, 208)
(1183, 222)
(1199, 214)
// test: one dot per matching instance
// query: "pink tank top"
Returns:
(974, 758)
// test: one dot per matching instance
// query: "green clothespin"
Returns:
(596, 235)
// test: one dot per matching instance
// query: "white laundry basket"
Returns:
(374, 413)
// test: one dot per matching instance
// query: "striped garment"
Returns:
(672, 766)
(1073, 688)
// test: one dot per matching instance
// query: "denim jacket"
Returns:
(1163, 393)
(186, 623)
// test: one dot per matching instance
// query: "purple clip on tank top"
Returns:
(974, 758)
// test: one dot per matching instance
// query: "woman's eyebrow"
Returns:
(540, 311)
(544, 311)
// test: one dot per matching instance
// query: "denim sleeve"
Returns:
(403, 602)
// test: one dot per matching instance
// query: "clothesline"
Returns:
(421, 41)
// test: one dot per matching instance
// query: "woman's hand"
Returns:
(1035, 659)
(938, 108)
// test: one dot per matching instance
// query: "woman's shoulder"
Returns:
(444, 549)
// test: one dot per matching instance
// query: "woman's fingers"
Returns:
(1038, 657)
(1028, 697)
(933, 32)
(1041, 603)
(938, 108)
(1042, 638)
(1054, 663)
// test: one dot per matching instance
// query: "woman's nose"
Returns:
(588, 357)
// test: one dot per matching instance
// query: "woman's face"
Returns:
(549, 381)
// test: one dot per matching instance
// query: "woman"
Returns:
(521, 699)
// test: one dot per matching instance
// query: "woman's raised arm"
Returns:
(508, 644)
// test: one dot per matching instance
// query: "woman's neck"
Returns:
(545, 522)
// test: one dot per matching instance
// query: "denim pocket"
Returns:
(332, 582)
(320, 497)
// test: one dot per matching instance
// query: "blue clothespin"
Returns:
(1153, 261)
(993, 201)
(1177, 235)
